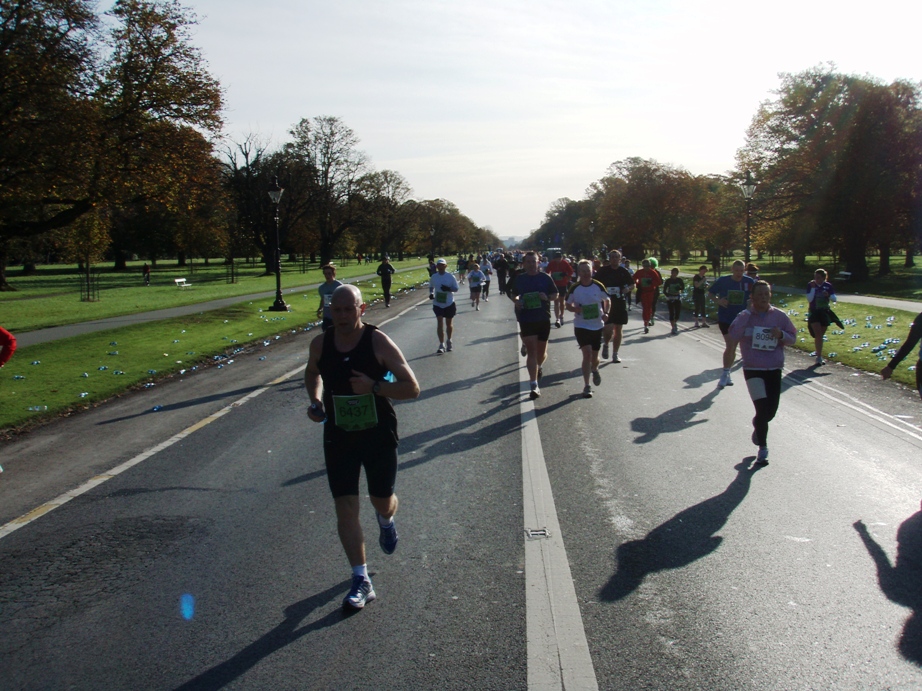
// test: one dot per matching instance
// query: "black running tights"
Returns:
(765, 390)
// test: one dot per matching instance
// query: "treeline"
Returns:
(838, 164)
(110, 146)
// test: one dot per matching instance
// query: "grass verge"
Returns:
(53, 379)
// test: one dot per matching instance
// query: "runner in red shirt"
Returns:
(647, 281)
(561, 271)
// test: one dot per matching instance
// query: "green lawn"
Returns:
(901, 283)
(867, 329)
(49, 379)
(51, 297)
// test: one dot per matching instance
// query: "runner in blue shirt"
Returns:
(731, 293)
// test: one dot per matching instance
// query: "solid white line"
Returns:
(39, 511)
(558, 653)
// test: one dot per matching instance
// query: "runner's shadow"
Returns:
(674, 420)
(282, 635)
(683, 539)
(799, 377)
(696, 381)
(902, 582)
(233, 395)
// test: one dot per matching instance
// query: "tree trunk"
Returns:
(121, 261)
(856, 263)
(181, 259)
(29, 268)
(910, 253)
(884, 268)
(798, 260)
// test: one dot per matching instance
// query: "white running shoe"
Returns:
(448, 346)
(762, 457)
(615, 358)
(724, 380)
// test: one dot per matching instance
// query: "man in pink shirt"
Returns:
(7, 346)
(762, 332)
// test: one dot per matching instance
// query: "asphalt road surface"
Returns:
(195, 547)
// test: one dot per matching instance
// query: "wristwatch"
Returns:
(376, 387)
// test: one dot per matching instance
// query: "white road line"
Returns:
(37, 512)
(831, 393)
(558, 653)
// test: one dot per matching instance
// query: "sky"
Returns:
(503, 107)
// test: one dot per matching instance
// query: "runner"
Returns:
(561, 271)
(630, 295)
(731, 293)
(462, 269)
(487, 268)
(442, 287)
(475, 278)
(648, 282)
(532, 293)
(915, 334)
(819, 294)
(752, 271)
(762, 332)
(654, 264)
(326, 290)
(385, 271)
(7, 346)
(699, 288)
(673, 287)
(501, 264)
(618, 284)
(589, 300)
(346, 381)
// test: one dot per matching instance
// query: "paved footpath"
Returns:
(888, 303)
(55, 333)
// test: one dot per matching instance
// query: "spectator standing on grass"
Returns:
(145, 272)
(7, 346)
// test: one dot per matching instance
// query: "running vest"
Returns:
(335, 371)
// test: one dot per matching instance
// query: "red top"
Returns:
(560, 266)
(645, 286)
(8, 345)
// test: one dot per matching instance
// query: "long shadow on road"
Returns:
(901, 582)
(282, 635)
(683, 539)
(233, 395)
(673, 420)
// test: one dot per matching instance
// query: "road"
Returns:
(210, 559)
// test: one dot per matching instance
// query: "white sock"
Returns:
(360, 571)
(384, 522)
(727, 371)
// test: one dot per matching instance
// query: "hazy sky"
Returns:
(503, 107)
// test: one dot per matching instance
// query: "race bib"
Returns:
(355, 413)
(327, 299)
(590, 311)
(646, 282)
(531, 301)
(762, 338)
(441, 297)
(736, 297)
(614, 291)
(822, 302)
(558, 275)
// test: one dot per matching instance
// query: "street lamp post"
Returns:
(748, 187)
(275, 194)
(591, 238)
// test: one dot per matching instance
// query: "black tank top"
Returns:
(336, 370)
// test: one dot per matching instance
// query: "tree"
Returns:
(80, 130)
(838, 160)
(325, 150)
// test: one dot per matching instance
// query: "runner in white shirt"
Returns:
(442, 287)
(588, 300)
